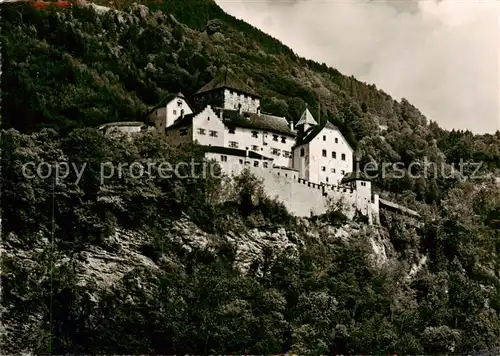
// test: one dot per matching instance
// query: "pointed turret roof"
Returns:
(306, 118)
(313, 131)
(354, 176)
(226, 79)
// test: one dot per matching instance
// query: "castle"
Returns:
(305, 167)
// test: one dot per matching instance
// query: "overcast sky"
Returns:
(443, 56)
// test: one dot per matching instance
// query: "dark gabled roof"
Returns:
(285, 168)
(163, 102)
(354, 176)
(232, 118)
(312, 132)
(186, 120)
(121, 123)
(395, 206)
(235, 152)
(226, 79)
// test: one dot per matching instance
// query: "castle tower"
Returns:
(362, 187)
(228, 92)
(305, 121)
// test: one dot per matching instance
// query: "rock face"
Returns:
(103, 266)
(214, 26)
(249, 244)
(123, 251)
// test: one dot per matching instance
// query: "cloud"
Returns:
(443, 56)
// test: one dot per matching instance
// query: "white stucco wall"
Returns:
(262, 144)
(165, 116)
(301, 163)
(243, 138)
(269, 143)
(301, 197)
(334, 166)
(203, 124)
(232, 99)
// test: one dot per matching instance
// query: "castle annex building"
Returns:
(303, 166)
(230, 117)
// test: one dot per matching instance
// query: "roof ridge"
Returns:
(227, 79)
(306, 118)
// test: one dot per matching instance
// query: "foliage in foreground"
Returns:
(329, 298)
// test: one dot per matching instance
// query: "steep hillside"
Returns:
(161, 266)
(78, 68)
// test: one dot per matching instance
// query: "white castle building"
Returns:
(305, 167)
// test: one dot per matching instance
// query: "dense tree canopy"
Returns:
(66, 71)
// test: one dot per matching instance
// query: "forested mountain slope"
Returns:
(177, 251)
(160, 266)
(77, 68)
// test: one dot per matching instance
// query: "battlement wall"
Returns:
(300, 196)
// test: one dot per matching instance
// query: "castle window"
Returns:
(264, 164)
(286, 154)
(324, 138)
(323, 168)
(183, 132)
(241, 161)
(231, 131)
(223, 158)
(179, 102)
(302, 152)
(327, 180)
(255, 134)
(283, 139)
(233, 144)
(342, 172)
(275, 151)
(336, 140)
(334, 154)
(343, 156)
(255, 148)
(213, 133)
(175, 112)
(255, 163)
(275, 137)
(332, 170)
(201, 131)
(324, 153)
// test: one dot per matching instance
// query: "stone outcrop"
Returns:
(214, 26)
